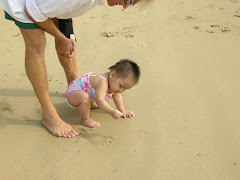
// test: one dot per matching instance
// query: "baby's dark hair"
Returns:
(124, 67)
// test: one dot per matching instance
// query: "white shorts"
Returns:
(70, 104)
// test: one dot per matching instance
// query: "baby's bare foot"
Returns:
(94, 105)
(90, 123)
(57, 126)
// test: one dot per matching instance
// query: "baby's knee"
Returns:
(79, 97)
(86, 99)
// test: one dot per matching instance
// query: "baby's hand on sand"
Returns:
(116, 114)
(128, 114)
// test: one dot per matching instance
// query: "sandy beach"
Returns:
(186, 103)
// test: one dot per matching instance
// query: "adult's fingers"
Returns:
(62, 55)
(73, 39)
(71, 55)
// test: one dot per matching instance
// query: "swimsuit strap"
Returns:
(97, 76)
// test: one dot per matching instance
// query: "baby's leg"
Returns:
(94, 105)
(82, 100)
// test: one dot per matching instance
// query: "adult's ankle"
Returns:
(49, 111)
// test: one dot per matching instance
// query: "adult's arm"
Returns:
(65, 45)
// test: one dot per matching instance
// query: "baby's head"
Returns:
(123, 75)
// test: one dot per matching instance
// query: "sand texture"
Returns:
(187, 102)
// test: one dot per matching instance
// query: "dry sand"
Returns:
(186, 103)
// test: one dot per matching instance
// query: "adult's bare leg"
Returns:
(70, 67)
(69, 64)
(36, 71)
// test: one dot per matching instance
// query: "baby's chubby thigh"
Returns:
(79, 97)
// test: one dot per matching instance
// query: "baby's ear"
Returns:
(112, 73)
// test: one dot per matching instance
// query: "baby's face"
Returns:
(118, 84)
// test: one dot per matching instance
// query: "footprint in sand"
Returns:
(5, 107)
(94, 138)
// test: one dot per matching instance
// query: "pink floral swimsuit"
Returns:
(83, 84)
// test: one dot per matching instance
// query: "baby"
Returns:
(93, 90)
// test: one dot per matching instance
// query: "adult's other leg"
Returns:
(36, 71)
(70, 67)
(69, 64)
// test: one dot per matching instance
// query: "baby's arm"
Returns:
(101, 90)
(118, 100)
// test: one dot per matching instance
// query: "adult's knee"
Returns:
(35, 40)
(36, 47)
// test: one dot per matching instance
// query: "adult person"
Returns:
(34, 18)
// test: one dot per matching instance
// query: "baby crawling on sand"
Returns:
(93, 90)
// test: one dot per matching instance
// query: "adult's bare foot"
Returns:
(57, 126)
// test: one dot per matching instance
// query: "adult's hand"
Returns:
(65, 47)
(72, 38)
